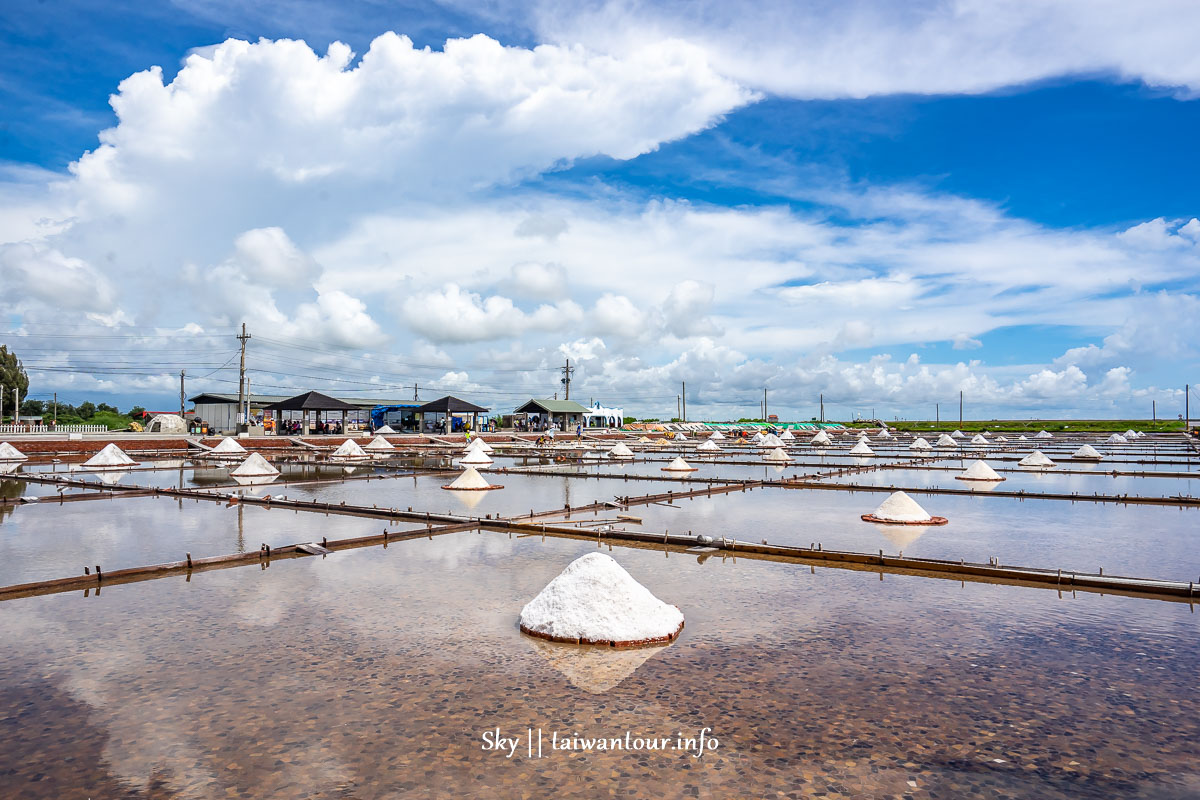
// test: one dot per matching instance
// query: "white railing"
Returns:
(56, 429)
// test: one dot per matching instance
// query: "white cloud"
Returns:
(532, 279)
(453, 315)
(32, 272)
(858, 48)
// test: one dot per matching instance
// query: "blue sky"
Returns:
(736, 200)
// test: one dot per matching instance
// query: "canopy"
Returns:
(450, 405)
(311, 401)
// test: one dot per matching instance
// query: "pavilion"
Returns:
(306, 403)
(566, 414)
(448, 408)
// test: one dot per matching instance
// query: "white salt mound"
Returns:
(476, 457)
(229, 447)
(1021, 438)
(862, 449)
(379, 444)
(255, 466)
(771, 440)
(621, 451)
(595, 600)
(958, 435)
(899, 507)
(883, 434)
(1131, 434)
(1036, 459)
(920, 444)
(110, 456)
(678, 465)
(385, 430)
(10, 453)
(470, 479)
(1089, 452)
(709, 447)
(480, 445)
(1044, 434)
(787, 436)
(822, 439)
(978, 439)
(681, 437)
(1001, 438)
(1117, 438)
(349, 449)
(717, 436)
(778, 455)
(946, 441)
(980, 471)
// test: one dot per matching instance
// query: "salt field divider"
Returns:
(1126, 499)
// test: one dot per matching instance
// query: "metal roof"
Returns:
(452, 404)
(552, 407)
(265, 399)
(311, 401)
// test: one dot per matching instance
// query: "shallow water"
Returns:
(375, 673)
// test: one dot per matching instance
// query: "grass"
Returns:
(114, 422)
(1035, 425)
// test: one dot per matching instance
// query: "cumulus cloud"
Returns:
(454, 315)
(539, 280)
(859, 48)
(35, 273)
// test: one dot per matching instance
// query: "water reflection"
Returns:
(594, 669)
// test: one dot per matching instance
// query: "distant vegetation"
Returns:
(86, 413)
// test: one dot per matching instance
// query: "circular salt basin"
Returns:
(594, 601)
(900, 509)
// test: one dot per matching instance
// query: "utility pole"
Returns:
(764, 404)
(181, 392)
(1187, 407)
(678, 413)
(822, 406)
(242, 378)
(937, 413)
(415, 387)
(566, 379)
(960, 409)
(683, 397)
(1154, 410)
(56, 409)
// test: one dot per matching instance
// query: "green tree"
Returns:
(108, 408)
(12, 376)
(87, 409)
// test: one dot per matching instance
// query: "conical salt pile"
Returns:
(620, 451)
(679, 465)
(771, 440)
(778, 455)
(645, 440)
(681, 437)
(1140, 434)
(477, 457)
(349, 449)
(254, 467)
(920, 444)
(821, 439)
(883, 434)
(1001, 438)
(108, 458)
(229, 447)
(946, 441)
(787, 436)
(717, 436)
(958, 435)
(1036, 459)
(899, 507)
(757, 437)
(980, 471)
(481, 445)
(978, 439)
(862, 449)
(470, 480)
(1087, 452)
(595, 601)
(1021, 438)
(709, 447)
(385, 430)
(1116, 438)
(987, 433)
(1130, 434)
(379, 444)
(10, 453)
(1044, 434)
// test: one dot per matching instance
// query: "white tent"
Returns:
(920, 444)
(678, 465)
(229, 448)
(946, 441)
(255, 466)
(899, 507)
(111, 457)
(470, 480)
(1036, 459)
(379, 444)
(1116, 438)
(349, 449)
(980, 471)
(778, 455)
(166, 423)
(477, 457)
(1043, 434)
(1087, 453)
(978, 439)
(958, 435)
(595, 601)
(10, 453)
(709, 447)
(621, 451)
(862, 449)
